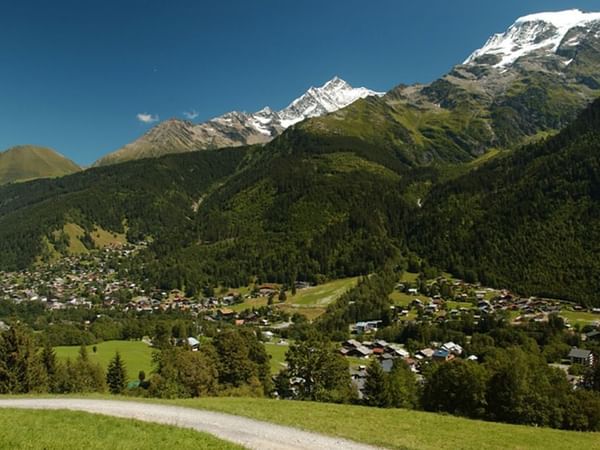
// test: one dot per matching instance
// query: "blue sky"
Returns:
(75, 75)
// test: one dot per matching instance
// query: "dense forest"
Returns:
(529, 220)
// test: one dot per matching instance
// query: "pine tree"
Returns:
(21, 370)
(50, 364)
(376, 387)
(116, 375)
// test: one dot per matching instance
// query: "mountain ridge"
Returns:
(237, 128)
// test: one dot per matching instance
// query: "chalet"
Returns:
(581, 356)
(266, 290)
(397, 351)
(431, 308)
(352, 347)
(359, 352)
(359, 378)
(425, 353)
(268, 335)
(225, 313)
(416, 303)
(365, 327)
(302, 284)
(442, 354)
(193, 343)
(453, 348)
(380, 343)
(593, 336)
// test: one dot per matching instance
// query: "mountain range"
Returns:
(238, 128)
(489, 172)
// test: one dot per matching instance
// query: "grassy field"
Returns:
(581, 317)
(249, 304)
(396, 428)
(277, 353)
(30, 429)
(310, 312)
(103, 238)
(402, 299)
(310, 302)
(323, 294)
(409, 277)
(136, 354)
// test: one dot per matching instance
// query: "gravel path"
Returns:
(247, 432)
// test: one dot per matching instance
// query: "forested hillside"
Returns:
(146, 199)
(530, 220)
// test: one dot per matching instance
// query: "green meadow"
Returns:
(136, 354)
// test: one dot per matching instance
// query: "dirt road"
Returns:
(247, 432)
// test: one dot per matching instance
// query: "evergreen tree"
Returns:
(592, 378)
(116, 375)
(21, 370)
(50, 365)
(402, 386)
(376, 386)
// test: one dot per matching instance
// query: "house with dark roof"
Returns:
(581, 356)
(593, 335)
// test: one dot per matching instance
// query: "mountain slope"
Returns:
(149, 198)
(237, 128)
(529, 220)
(28, 162)
(525, 83)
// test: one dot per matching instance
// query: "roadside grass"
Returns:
(31, 429)
(397, 428)
(136, 354)
(389, 428)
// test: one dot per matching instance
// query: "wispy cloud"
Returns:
(190, 115)
(147, 118)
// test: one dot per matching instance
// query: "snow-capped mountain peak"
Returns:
(542, 31)
(333, 95)
(239, 128)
